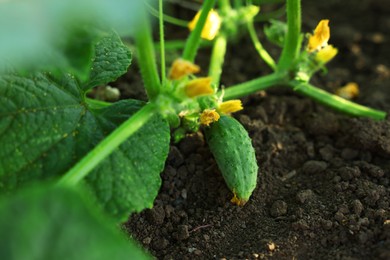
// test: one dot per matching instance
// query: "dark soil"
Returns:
(323, 189)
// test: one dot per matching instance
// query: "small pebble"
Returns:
(349, 154)
(357, 207)
(182, 232)
(175, 157)
(327, 224)
(155, 215)
(146, 240)
(339, 217)
(184, 194)
(312, 167)
(160, 243)
(300, 225)
(326, 153)
(343, 209)
(271, 246)
(305, 195)
(278, 208)
(347, 173)
(197, 252)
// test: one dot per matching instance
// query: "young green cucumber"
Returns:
(232, 149)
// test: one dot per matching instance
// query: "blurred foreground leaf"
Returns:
(39, 33)
(58, 223)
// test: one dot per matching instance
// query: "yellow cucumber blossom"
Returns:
(326, 54)
(349, 91)
(211, 27)
(199, 87)
(181, 68)
(230, 106)
(209, 116)
(320, 37)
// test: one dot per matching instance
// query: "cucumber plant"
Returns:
(66, 158)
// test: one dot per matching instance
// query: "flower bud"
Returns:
(349, 91)
(199, 87)
(230, 106)
(211, 27)
(326, 54)
(181, 68)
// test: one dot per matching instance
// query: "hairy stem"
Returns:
(194, 39)
(162, 42)
(167, 18)
(147, 58)
(336, 102)
(259, 47)
(254, 85)
(217, 59)
(293, 38)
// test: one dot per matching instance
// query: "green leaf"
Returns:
(143, 155)
(79, 51)
(46, 127)
(276, 32)
(58, 223)
(112, 59)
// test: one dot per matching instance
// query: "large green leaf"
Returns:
(46, 127)
(58, 223)
(143, 155)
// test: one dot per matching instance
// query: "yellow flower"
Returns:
(320, 37)
(230, 106)
(326, 54)
(209, 116)
(181, 68)
(211, 27)
(198, 87)
(349, 91)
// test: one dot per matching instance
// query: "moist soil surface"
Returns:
(323, 179)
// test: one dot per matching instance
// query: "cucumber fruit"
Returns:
(232, 149)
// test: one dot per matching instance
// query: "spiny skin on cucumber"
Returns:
(232, 149)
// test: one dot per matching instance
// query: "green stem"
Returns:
(259, 47)
(262, 2)
(254, 85)
(167, 18)
(237, 4)
(146, 58)
(162, 42)
(336, 102)
(108, 145)
(224, 6)
(217, 59)
(95, 104)
(179, 44)
(194, 39)
(219, 49)
(293, 38)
